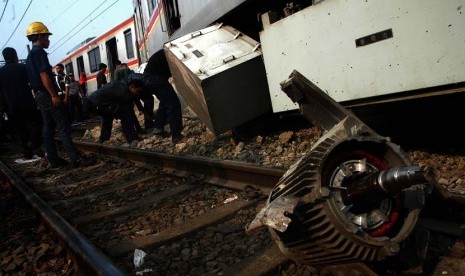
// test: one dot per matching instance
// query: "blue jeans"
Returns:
(55, 119)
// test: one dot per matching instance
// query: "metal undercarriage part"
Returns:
(354, 197)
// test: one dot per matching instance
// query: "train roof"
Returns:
(96, 40)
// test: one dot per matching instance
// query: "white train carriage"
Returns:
(119, 43)
(360, 53)
(366, 52)
(158, 21)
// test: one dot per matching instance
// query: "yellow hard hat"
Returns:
(37, 28)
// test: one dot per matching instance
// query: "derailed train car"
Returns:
(359, 52)
(355, 197)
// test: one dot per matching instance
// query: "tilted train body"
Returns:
(359, 52)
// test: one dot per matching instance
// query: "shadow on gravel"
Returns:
(431, 123)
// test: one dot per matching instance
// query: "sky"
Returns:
(69, 21)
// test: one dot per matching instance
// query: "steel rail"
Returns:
(225, 173)
(90, 260)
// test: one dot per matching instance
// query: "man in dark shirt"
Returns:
(62, 81)
(19, 104)
(101, 78)
(47, 99)
(74, 100)
(156, 75)
(115, 100)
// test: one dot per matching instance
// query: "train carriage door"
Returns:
(80, 65)
(112, 55)
(172, 16)
(69, 67)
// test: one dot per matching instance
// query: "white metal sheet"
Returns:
(426, 49)
(213, 50)
(215, 70)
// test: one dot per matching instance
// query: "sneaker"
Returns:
(58, 164)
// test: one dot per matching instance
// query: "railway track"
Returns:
(120, 205)
(185, 222)
(187, 214)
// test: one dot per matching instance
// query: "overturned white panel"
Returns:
(220, 74)
(355, 50)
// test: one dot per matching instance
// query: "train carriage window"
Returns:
(129, 44)
(140, 24)
(69, 67)
(152, 4)
(80, 64)
(94, 59)
(173, 18)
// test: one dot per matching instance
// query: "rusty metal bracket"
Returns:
(319, 108)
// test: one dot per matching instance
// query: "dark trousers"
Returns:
(134, 119)
(147, 109)
(83, 90)
(169, 109)
(75, 108)
(125, 112)
(28, 123)
(55, 119)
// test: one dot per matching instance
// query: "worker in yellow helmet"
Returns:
(47, 99)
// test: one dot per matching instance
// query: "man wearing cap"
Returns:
(47, 99)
